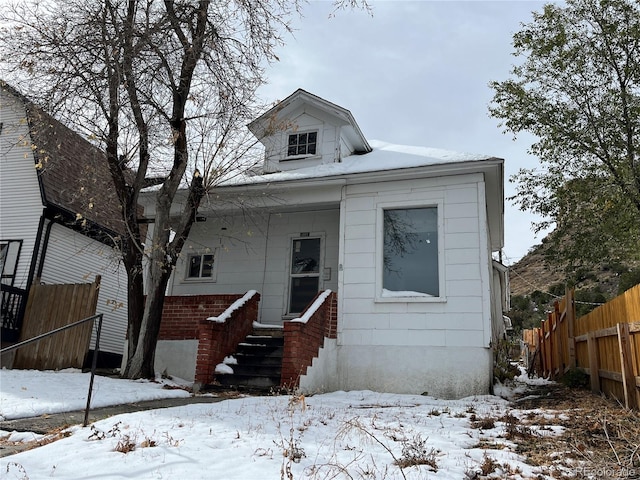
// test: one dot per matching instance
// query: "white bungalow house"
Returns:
(403, 235)
(58, 217)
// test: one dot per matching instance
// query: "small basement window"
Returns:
(302, 144)
(201, 266)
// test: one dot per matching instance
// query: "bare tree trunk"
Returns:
(161, 262)
(135, 298)
(141, 73)
(141, 364)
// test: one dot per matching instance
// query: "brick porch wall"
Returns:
(216, 340)
(302, 341)
(181, 315)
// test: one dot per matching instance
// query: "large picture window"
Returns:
(410, 253)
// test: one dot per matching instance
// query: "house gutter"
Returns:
(492, 166)
(92, 229)
(60, 216)
(353, 178)
(406, 173)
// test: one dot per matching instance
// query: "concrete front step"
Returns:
(257, 369)
(264, 340)
(248, 381)
(268, 330)
(259, 361)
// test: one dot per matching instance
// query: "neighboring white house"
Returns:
(405, 235)
(58, 216)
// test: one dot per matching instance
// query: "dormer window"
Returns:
(302, 144)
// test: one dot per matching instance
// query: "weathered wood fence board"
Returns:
(604, 344)
(50, 307)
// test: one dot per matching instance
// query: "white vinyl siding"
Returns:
(244, 263)
(425, 336)
(327, 146)
(71, 257)
(20, 200)
(74, 258)
(461, 308)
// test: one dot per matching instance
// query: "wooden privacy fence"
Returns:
(605, 344)
(50, 307)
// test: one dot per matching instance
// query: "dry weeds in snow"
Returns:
(562, 433)
(600, 438)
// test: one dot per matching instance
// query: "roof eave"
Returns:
(259, 126)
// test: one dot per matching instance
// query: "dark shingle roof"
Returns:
(73, 173)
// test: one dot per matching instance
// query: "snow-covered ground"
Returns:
(30, 393)
(338, 435)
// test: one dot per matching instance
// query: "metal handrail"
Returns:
(61, 329)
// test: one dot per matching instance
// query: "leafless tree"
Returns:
(164, 86)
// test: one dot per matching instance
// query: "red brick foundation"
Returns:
(181, 315)
(217, 340)
(185, 318)
(302, 341)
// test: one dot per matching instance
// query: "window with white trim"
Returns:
(302, 144)
(410, 265)
(304, 275)
(201, 266)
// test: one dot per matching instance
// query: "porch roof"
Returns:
(321, 184)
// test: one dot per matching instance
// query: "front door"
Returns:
(304, 275)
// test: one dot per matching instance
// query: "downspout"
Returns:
(45, 246)
(36, 252)
(43, 198)
(341, 248)
(32, 268)
(264, 266)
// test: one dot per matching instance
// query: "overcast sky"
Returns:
(415, 73)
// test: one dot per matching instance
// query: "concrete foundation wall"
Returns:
(442, 372)
(177, 357)
(322, 375)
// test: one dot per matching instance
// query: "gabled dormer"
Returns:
(304, 130)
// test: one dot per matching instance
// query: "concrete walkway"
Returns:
(46, 424)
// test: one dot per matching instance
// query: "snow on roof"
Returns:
(437, 155)
(385, 156)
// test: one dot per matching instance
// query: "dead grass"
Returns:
(601, 439)
(482, 423)
(22, 446)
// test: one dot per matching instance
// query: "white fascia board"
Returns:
(296, 101)
(492, 169)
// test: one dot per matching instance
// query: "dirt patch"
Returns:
(9, 447)
(599, 438)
